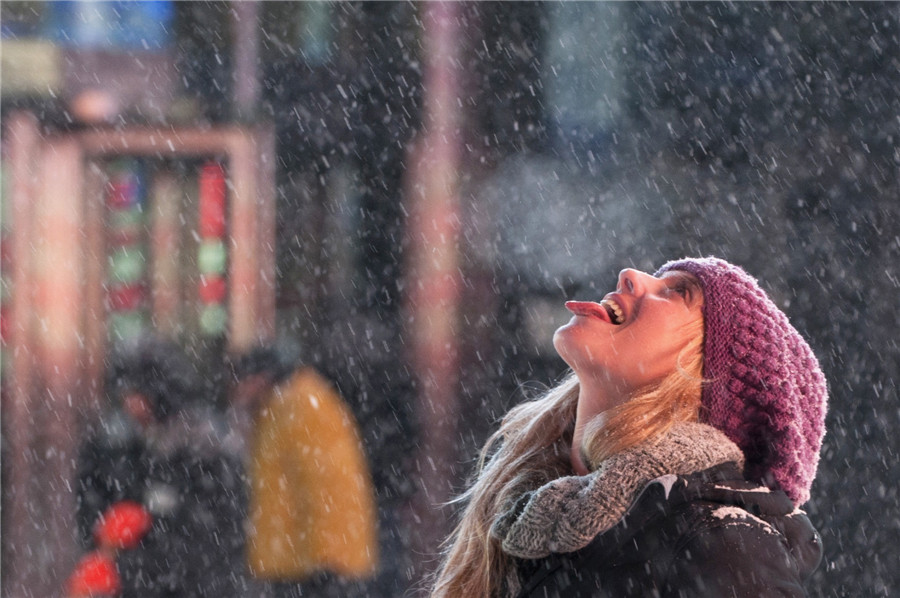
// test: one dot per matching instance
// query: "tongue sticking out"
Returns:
(589, 309)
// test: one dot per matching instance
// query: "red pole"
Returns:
(434, 273)
(58, 306)
(23, 143)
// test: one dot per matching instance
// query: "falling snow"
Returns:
(435, 208)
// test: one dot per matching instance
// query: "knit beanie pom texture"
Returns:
(763, 386)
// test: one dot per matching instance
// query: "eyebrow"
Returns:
(678, 275)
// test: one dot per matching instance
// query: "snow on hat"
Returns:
(763, 385)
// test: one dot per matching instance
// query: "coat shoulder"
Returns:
(732, 537)
(727, 550)
(705, 534)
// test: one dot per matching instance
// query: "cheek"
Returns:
(656, 352)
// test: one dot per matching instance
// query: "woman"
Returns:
(670, 462)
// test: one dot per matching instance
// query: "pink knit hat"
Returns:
(764, 388)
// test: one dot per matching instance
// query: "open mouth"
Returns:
(607, 310)
(616, 315)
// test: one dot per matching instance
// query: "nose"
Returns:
(635, 282)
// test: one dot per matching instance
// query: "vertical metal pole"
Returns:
(165, 243)
(246, 58)
(243, 272)
(267, 212)
(94, 333)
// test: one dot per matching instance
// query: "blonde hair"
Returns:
(532, 447)
(652, 411)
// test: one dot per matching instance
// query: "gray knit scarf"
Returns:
(566, 514)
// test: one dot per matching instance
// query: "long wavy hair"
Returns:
(532, 447)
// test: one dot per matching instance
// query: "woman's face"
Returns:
(632, 337)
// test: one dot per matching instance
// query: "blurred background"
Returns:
(406, 193)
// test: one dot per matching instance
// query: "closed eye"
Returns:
(687, 287)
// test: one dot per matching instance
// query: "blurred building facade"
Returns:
(585, 137)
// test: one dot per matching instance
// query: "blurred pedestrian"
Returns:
(157, 448)
(148, 381)
(672, 461)
(312, 526)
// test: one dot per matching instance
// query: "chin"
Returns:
(574, 344)
(569, 353)
(559, 343)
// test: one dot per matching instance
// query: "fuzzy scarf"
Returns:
(566, 514)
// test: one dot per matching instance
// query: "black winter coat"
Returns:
(708, 534)
(197, 499)
(113, 465)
